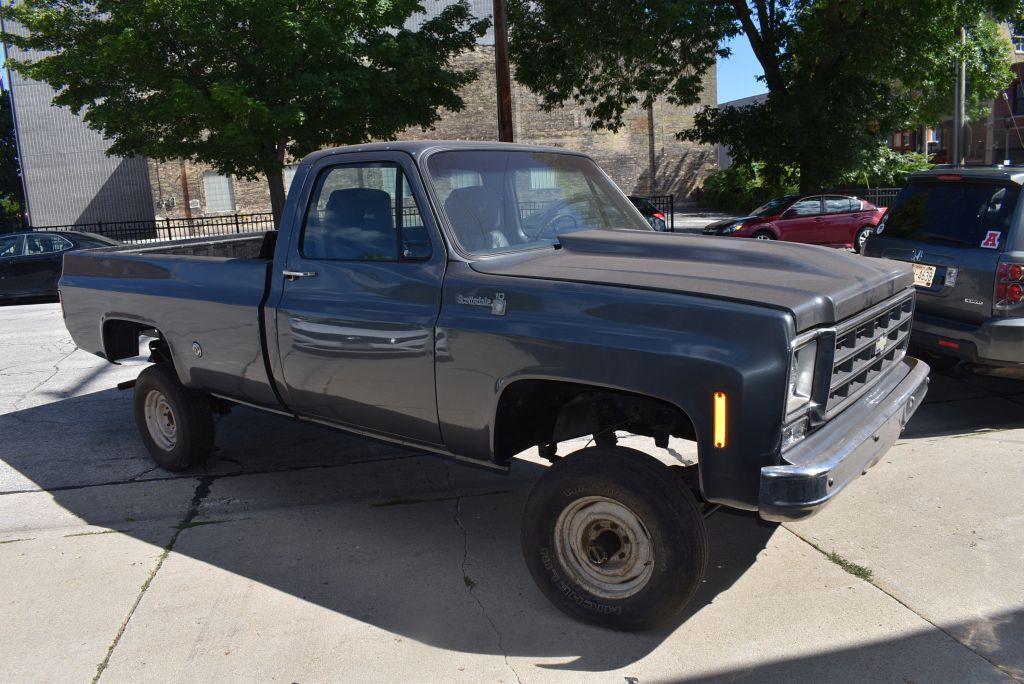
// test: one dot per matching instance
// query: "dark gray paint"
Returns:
(662, 316)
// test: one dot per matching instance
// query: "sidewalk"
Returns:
(301, 554)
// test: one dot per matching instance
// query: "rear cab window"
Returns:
(968, 213)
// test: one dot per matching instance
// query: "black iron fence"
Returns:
(880, 197)
(168, 228)
(153, 230)
(665, 204)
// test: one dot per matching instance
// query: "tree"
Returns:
(245, 85)
(840, 74)
(11, 195)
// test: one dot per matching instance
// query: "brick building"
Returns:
(181, 189)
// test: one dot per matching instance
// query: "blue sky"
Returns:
(737, 75)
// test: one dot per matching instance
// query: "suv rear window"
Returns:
(952, 212)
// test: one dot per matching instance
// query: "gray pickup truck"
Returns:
(476, 300)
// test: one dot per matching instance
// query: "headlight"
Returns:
(733, 228)
(801, 376)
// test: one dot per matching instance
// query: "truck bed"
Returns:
(209, 289)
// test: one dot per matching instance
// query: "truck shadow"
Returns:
(395, 538)
(960, 402)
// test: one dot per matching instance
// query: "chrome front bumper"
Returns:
(821, 465)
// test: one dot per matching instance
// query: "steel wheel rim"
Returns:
(605, 546)
(160, 420)
(762, 236)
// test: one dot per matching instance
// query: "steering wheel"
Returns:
(558, 224)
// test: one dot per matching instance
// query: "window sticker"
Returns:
(991, 240)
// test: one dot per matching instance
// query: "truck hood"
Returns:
(817, 285)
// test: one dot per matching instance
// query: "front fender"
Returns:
(679, 349)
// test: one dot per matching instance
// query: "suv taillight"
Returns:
(1009, 285)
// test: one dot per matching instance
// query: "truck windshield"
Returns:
(952, 212)
(500, 201)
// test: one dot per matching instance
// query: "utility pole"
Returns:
(502, 75)
(652, 153)
(960, 108)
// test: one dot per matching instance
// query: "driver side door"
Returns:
(359, 298)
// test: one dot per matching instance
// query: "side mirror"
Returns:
(787, 214)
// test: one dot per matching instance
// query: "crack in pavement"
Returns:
(202, 490)
(1002, 670)
(471, 585)
(56, 369)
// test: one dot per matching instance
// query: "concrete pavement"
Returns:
(301, 554)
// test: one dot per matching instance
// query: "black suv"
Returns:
(960, 227)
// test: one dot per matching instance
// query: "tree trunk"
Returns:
(652, 155)
(274, 171)
(275, 181)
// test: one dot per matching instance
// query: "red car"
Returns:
(833, 220)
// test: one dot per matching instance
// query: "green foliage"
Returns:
(607, 55)
(742, 187)
(841, 75)
(246, 84)
(11, 199)
(885, 168)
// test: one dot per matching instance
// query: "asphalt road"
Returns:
(305, 555)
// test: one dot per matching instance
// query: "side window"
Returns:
(9, 245)
(838, 205)
(807, 207)
(45, 244)
(364, 212)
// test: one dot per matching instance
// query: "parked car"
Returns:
(654, 215)
(30, 262)
(465, 326)
(961, 230)
(830, 220)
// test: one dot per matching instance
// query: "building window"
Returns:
(1018, 99)
(220, 193)
(1018, 44)
(542, 179)
(289, 176)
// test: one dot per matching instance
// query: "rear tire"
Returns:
(613, 537)
(764, 235)
(861, 238)
(175, 422)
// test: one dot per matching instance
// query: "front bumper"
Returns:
(819, 467)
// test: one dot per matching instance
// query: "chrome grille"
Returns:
(860, 357)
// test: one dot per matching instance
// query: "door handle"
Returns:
(293, 275)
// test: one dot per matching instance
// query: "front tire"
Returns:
(612, 536)
(764, 235)
(175, 422)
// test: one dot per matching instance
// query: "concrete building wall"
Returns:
(67, 176)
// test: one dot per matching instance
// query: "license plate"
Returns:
(923, 275)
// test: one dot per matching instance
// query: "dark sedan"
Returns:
(31, 263)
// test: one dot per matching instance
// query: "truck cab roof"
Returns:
(416, 148)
